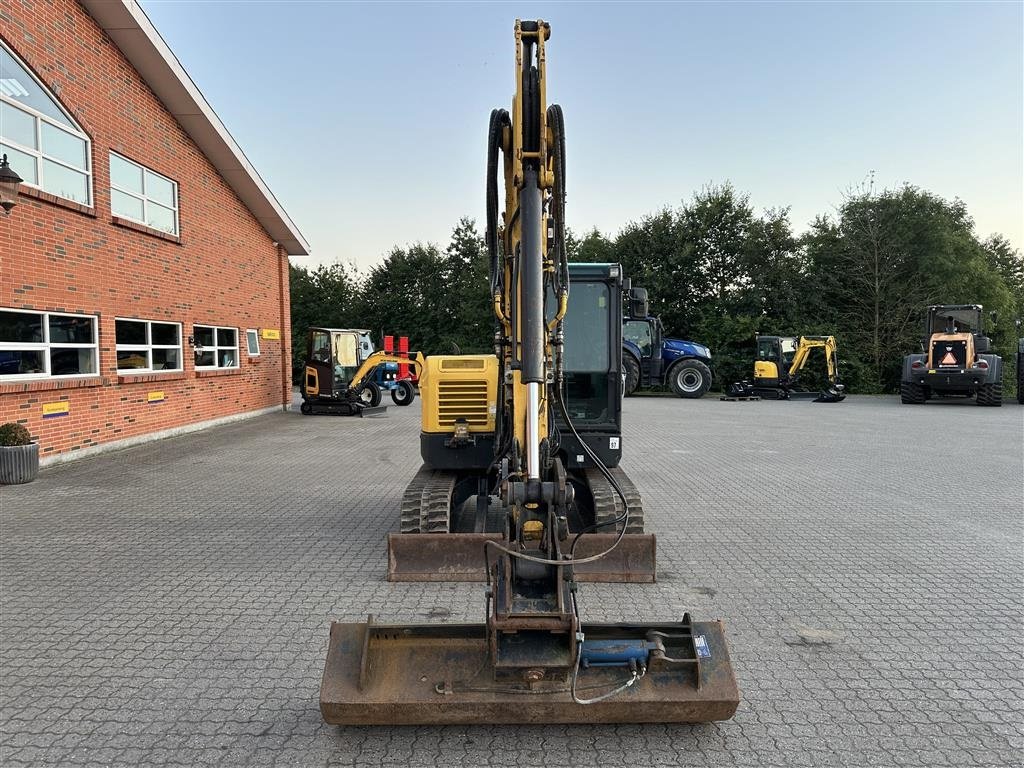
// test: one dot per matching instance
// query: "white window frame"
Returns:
(256, 337)
(144, 197)
(148, 347)
(37, 152)
(216, 348)
(45, 346)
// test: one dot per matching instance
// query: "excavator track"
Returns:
(436, 502)
(608, 504)
(411, 518)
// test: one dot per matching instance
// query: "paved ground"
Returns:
(169, 604)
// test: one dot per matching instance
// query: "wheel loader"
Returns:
(955, 361)
(520, 488)
(777, 370)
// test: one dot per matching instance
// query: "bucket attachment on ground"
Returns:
(460, 557)
(834, 394)
(443, 674)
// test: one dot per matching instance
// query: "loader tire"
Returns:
(632, 368)
(990, 395)
(306, 408)
(689, 378)
(911, 394)
(404, 393)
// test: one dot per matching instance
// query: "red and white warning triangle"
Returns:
(949, 359)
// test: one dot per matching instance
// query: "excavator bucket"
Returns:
(832, 394)
(460, 557)
(379, 674)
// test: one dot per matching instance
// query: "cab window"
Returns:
(639, 332)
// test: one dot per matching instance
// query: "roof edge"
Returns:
(133, 33)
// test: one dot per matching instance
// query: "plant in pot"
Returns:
(19, 456)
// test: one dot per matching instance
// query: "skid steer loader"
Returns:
(777, 370)
(520, 487)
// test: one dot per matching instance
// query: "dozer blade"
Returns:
(460, 557)
(437, 674)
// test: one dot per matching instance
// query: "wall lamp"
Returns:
(9, 183)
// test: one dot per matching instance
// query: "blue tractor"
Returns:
(650, 359)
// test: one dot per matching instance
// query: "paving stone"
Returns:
(169, 604)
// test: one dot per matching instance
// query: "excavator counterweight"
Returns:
(521, 488)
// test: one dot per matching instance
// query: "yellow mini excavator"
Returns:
(777, 370)
(521, 488)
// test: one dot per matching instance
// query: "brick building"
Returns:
(144, 270)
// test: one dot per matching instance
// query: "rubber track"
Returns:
(411, 507)
(608, 505)
(436, 502)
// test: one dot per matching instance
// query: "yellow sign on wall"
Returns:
(155, 397)
(271, 333)
(52, 410)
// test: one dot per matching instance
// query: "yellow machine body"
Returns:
(937, 340)
(765, 370)
(459, 387)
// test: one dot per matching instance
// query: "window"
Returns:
(42, 143)
(145, 346)
(142, 195)
(215, 347)
(47, 344)
(252, 341)
(639, 332)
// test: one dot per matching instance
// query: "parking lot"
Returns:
(170, 603)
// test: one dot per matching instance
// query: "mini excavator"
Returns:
(535, 502)
(777, 370)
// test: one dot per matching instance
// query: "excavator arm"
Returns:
(835, 391)
(379, 358)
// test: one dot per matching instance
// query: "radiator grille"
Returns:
(462, 400)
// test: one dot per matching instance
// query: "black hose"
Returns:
(499, 120)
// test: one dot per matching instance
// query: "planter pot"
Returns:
(19, 463)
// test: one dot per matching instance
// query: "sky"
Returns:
(369, 121)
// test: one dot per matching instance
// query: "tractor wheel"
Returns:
(404, 393)
(690, 378)
(306, 408)
(911, 394)
(632, 373)
(370, 394)
(990, 394)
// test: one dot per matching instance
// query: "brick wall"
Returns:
(223, 269)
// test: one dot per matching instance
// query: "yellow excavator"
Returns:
(520, 474)
(777, 370)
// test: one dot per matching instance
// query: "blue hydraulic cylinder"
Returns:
(615, 653)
